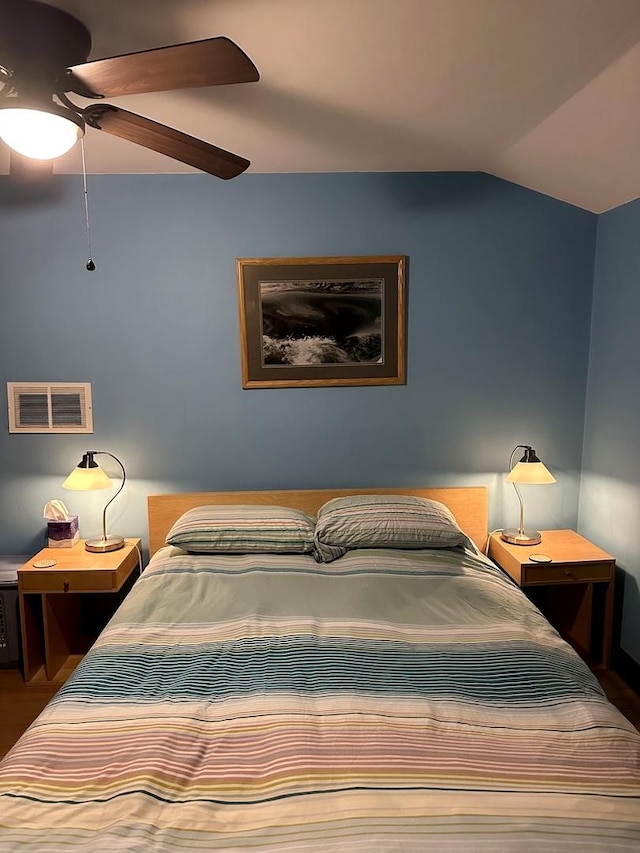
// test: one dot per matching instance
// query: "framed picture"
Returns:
(310, 322)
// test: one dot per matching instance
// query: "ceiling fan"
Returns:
(43, 59)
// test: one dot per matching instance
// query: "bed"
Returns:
(350, 696)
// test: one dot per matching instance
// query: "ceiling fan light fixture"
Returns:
(44, 57)
(42, 133)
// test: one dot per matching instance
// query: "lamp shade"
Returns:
(85, 479)
(87, 475)
(530, 473)
(42, 134)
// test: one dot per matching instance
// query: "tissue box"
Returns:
(63, 534)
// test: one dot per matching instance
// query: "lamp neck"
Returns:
(521, 528)
(93, 453)
(528, 452)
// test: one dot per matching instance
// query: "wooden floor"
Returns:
(21, 704)
(620, 695)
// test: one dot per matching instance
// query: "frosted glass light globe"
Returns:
(38, 134)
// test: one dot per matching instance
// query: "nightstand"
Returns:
(564, 588)
(64, 607)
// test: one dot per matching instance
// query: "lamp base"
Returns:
(102, 544)
(521, 537)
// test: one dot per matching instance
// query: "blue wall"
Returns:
(610, 494)
(499, 302)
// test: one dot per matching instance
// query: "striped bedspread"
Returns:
(389, 701)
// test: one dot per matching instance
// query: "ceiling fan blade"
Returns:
(211, 62)
(29, 171)
(158, 137)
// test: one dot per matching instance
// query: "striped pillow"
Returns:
(383, 521)
(243, 529)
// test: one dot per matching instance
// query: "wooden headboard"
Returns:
(467, 503)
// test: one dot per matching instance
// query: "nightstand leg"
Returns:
(608, 625)
(32, 642)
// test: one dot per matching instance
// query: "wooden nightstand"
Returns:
(564, 588)
(60, 613)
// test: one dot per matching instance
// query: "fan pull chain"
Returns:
(90, 264)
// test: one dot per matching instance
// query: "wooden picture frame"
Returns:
(314, 322)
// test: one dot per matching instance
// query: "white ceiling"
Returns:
(545, 93)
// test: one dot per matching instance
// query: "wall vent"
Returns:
(49, 407)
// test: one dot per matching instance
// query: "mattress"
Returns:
(388, 701)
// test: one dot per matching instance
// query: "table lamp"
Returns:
(89, 475)
(528, 471)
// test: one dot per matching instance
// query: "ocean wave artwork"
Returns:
(322, 322)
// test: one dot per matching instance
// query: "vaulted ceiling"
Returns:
(544, 93)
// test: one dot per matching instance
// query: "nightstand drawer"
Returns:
(91, 580)
(565, 573)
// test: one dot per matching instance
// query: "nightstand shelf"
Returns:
(64, 607)
(578, 581)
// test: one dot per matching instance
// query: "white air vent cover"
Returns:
(49, 407)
